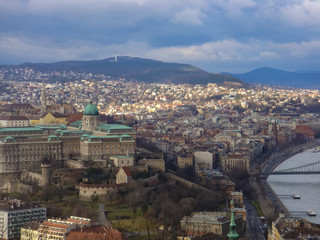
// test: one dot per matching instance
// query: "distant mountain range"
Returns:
(151, 71)
(136, 69)
(276, 77)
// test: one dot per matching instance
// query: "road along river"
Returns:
(306, 186)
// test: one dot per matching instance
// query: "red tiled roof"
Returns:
(304, 129)
(19, 105)
(127, 171)
(95, 232)
(59, 115)
(77, 221)
(13, 118)
(74, 117)
(58, 225)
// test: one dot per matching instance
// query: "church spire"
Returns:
(43, 99)
(232, 235)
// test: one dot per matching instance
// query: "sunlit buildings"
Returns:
(25, 148)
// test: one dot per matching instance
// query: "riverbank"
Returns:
(306, 186)
(268, 199)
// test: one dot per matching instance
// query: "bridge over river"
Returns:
(311, 168)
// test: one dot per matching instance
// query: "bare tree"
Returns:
(94, 199)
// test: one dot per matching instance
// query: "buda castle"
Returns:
(83, 143)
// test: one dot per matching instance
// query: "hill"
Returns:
(136, 69)
(276, 77)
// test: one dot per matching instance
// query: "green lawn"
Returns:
(125, 219)
(258, 208)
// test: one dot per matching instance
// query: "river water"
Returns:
(307, 186)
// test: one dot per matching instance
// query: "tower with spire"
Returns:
(232, 235)
(43, 99)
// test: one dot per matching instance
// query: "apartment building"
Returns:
(56, 229)
(14, 214)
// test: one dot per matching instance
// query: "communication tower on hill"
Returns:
(115, 57)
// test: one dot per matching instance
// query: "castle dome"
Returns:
(91, 109)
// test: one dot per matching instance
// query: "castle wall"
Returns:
(73, 164)
(121, 161)
(65, 175)
(154, 163)
(151, 181)
(15, 186)
(32, 177)
(104, 191)
(141, 168)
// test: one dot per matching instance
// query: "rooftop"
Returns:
(14, 129)
(15, 205)
(209, 218)
(95, 232)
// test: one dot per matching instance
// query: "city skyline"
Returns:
(217, 36)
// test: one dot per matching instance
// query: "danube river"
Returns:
(307, 186)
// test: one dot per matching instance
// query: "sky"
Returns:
(215, 35)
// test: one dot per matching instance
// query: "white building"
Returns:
(204, 158)
(55, 229)
(123, 175)
(163, 146)
(14, 121)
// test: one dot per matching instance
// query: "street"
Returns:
(253, 223)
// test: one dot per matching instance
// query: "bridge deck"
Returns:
(292, 173)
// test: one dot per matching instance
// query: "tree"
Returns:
(94, 199)
(188, 173)
(54, 211)
(144, 208)
(46, 194)
(59, 192)
(240, 177)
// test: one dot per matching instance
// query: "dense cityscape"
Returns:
(119, 154)
(159, 120)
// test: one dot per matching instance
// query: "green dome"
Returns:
(91, 109)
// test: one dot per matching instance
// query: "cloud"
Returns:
(267, 55)
(44, 50)
(228, 51)
(189, 16)
(226, 33)
(301, 14)
(225, 50)
(233, 8)
(255, 53)
(304, 49)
